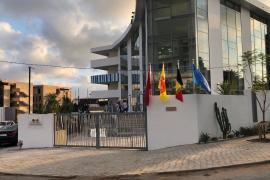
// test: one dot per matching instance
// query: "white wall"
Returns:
(195, 115)
(39, 135)
(2, 114)
(167, 129)
(239, 112)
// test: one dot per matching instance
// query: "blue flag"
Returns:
(199, 79)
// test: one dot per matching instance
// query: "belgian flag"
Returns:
(179, 86)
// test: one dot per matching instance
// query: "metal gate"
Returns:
(101, 130)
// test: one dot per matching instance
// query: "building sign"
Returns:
(35, 122)
(171, 109)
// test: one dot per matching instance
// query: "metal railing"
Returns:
(101, 130)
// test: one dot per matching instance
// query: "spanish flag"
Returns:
(162, 86)
(179, 86)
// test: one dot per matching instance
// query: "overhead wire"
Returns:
(89, 68)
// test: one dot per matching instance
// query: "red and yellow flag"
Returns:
(162, 86)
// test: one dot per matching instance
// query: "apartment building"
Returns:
(41, 91)
(4, 94)
(19, 97)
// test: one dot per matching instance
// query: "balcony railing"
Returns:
(105, 79)
(114, 78)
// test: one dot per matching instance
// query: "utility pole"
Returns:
(29, 90)
(78, 95)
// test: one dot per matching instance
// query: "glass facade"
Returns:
(171, 38)
(258, 36)
(203, 38)
(232, 45)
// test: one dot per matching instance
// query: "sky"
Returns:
(61, 33)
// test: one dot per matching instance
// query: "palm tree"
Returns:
(66, 105)
(51, 104)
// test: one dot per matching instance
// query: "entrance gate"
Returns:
(101, 130)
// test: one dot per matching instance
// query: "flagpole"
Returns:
(150, 70)
(194, 86)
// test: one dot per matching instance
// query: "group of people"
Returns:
(122, 106)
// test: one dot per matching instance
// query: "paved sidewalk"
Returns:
(92, 162)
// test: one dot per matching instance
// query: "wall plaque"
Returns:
(35, 122)
(171, 109)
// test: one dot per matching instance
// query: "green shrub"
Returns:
(214, 139)
(204, 138)
(230, 136)
(248, 131)
(236, 133)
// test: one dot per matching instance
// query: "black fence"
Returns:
(101, 130)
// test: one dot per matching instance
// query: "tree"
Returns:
(51, 104)
(66, 105)
(258, 85)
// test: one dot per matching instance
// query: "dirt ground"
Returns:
(249, 172)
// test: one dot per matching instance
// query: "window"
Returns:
(203, 39)
(258, 34)
(231, 45)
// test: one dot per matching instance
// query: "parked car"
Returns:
(8, 133)
(6, 123)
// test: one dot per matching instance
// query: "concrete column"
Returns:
(141, 64)
(215, 44)
(119, 73)
(246, 41)
(146, 38)
(129, 61)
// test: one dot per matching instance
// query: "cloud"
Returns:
(58, 32)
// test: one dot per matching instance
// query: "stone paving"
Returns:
(106, 162)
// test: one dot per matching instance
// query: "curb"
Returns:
(182, 172)
(42, 176)
(178, 173)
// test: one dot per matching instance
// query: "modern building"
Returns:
(41, 91)
(14, 98)
(19, 97)
(212, 34)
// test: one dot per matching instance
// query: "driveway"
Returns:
(107, 162)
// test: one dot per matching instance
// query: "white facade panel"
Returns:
(246, 40)
(129, 62)
(99, 63)
(215, 43)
